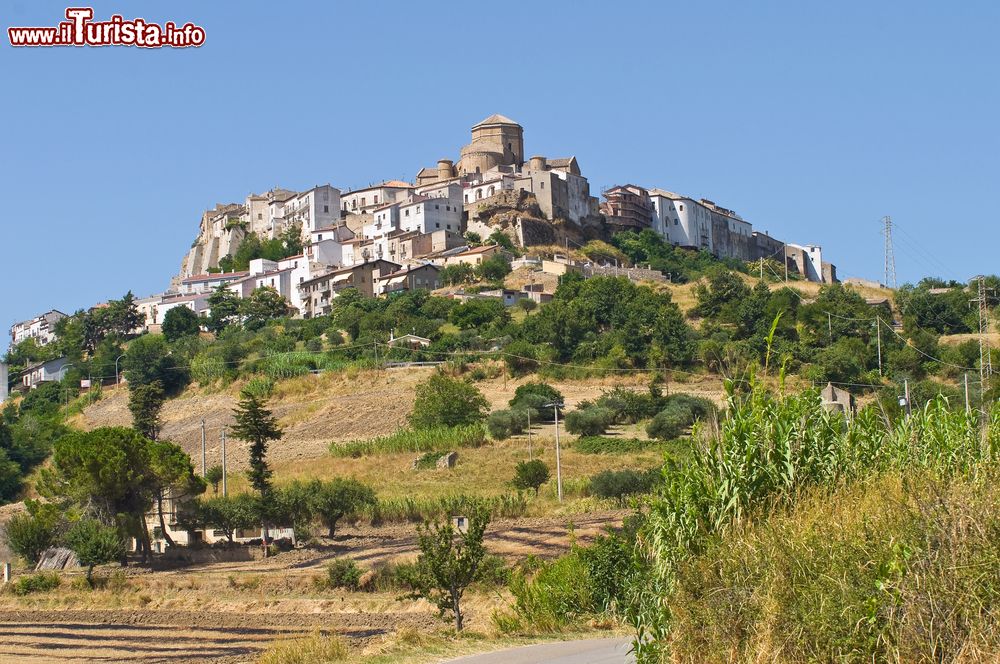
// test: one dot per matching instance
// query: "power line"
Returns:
(890, 258)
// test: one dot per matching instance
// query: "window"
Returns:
(326, 208)
(260, 215)
(362, 201)
(407, 213)
(375, 199)
(466, 198)
(437, 225)
(543, 185)
(681, 207)
(437, 207)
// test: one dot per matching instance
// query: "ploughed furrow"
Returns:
(89, 642)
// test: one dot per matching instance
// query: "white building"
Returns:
(700, 224)
(317, 208)
(40, 328)
(361, 201)
(44, 372)
(426, 215)
(206, 283)
(809, 260)
(197, 303)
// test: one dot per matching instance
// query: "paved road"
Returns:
(589, 651)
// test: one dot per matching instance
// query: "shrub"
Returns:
(680, 412)
(530, 475)
(343, 573)
(260, 387)
(503, 424)
(610, 445)
(29, 534)
(590, 421)
(444, 401)
(549, 599)
(619, 484)
(35, 583)
(628, 406)
(543, 393)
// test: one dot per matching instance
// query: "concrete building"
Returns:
(474, 256)
(317, 208)
(44, 372)
(41, 328)
(197, 303)
(319, 292)
(361, 201)
(206, 283)
(416, 277)
(808, 262)
(627, 208)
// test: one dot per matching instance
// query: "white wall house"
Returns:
(695, 224)
(368, 199)
(812, 265)
(40, 328)
(43, 372)
(317, 208)
(427, 215)
(385, 220)
(197, 303)
(206, 283)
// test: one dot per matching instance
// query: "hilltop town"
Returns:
(396, 236)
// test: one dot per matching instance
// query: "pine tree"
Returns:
(256, 425)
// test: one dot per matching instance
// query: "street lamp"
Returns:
(555, 406)
(116, 367)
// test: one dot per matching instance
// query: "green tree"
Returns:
(94, 544)
(172, 475)
(214, 476)
(256, 425)
(30, 533)
(123, 317)
(148, 360)
(10, 478)
(534, 395)
(226, 513)
(180, 322)
(530, 475)
(494, 268)
(479, 312)
(106, 470)
(331, 501)
(444, 401)
(449, 562)
(226, 309)
(145, 401)
(264, 304)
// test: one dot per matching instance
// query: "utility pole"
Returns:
(555, 405)
(966, 392)
(985, 362)
(529, 434)
(890, 258)
(906, 393)
(203, 447)
(878, 336)
(224, 474)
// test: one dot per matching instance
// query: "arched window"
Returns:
(490, 191)
(479, 194)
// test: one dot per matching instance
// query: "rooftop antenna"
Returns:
(890, 258)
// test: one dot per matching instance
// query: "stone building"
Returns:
(627, 208)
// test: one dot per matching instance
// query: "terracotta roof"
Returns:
(478, 250)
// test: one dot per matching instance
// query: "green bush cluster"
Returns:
(436, 439)
(502, 424)
(589, 421)
(611, 445)
(679, 412)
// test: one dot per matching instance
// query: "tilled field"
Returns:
(175, 636)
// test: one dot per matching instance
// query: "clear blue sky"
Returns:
(812, 120)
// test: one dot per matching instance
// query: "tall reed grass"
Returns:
(769, 450)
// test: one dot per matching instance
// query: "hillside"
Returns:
(317, 410)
